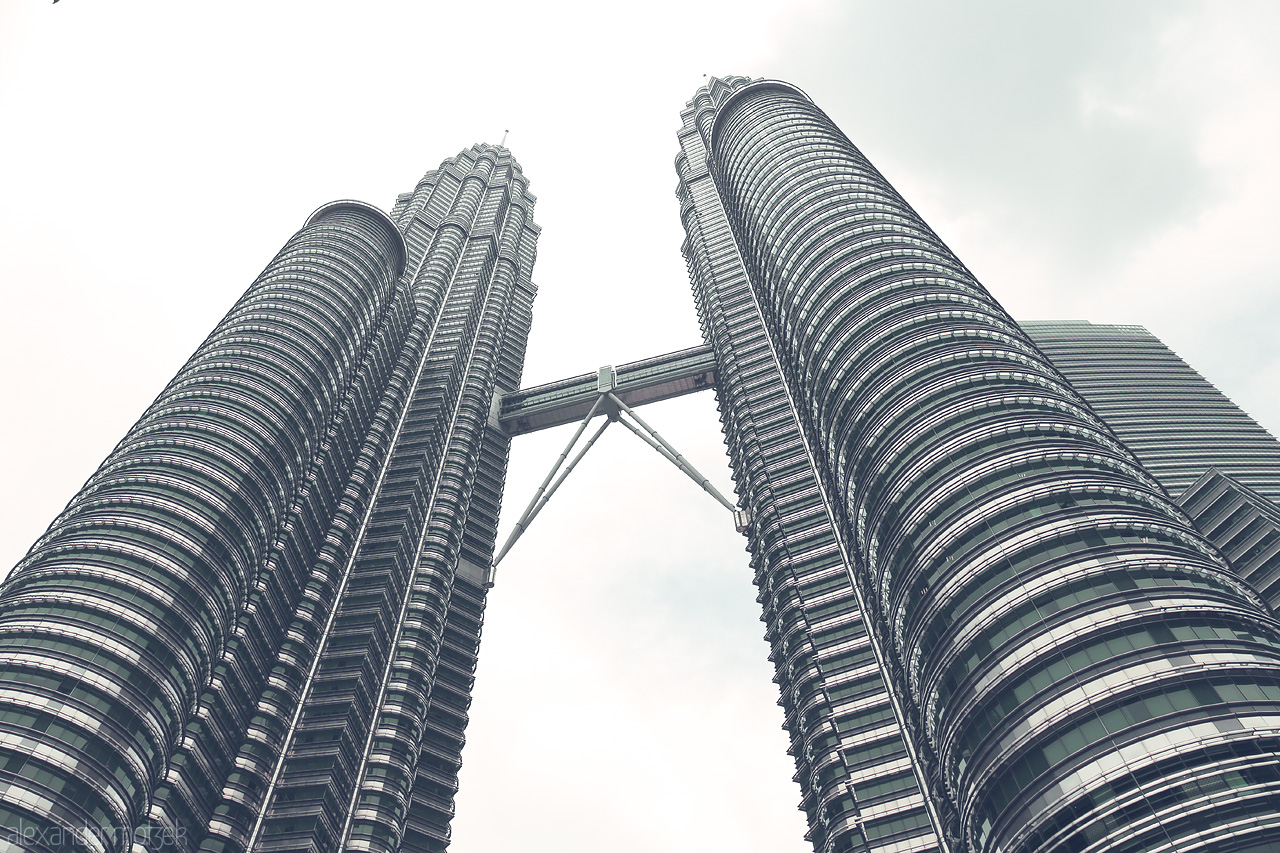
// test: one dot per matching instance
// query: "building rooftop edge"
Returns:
(751, 88)
(370, 210)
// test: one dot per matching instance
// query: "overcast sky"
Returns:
(1106, 161)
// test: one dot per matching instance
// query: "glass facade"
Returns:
(1243, 524)
(1071, 665)
(255, 627)
(1220, 466)
(1173, 419)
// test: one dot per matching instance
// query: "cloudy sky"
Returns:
(1104, 161)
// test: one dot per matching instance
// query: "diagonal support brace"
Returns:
(646, 433)
(523, 524)
(670, 453)
(564, 474)
(541, 496)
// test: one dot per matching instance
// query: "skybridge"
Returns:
(614, 392)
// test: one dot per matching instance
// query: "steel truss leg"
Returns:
(671, 453)
(645, 432)
(535, 506)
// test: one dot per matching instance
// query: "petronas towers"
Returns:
(1000, 618)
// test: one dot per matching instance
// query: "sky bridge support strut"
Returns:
(609, 392)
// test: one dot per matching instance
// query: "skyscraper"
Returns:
(1173, 419)
(1213, 459)
(256, 624)
(1071, 665)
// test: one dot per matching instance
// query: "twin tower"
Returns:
(255, 628)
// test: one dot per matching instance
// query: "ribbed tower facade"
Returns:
(943, 529)
(255, 627)
(854, 765)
